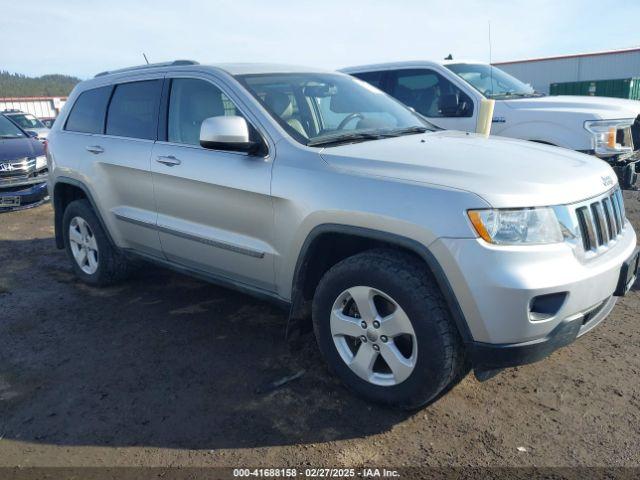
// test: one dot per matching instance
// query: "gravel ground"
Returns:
(165, 370)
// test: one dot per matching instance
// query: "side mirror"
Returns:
(227, 133)
(449, 105)
(31, 133)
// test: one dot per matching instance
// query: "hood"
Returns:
(16, 148)
(596, 108)
(504, 172)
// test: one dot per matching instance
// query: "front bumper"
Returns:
(488, 356)
(496, 286)
(31, 195)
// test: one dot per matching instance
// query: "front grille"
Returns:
(601, 221)
(21, 167)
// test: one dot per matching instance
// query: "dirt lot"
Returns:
(164, 370)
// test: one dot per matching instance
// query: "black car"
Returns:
(23, 168)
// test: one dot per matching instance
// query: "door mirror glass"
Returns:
(449, 105)
(226, 133)
(31, 133)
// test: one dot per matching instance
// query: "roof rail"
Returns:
(149, 65)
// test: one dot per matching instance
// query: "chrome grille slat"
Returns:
(609, 217)
(588, 228)
(601, 227)
(618, 195)
(17, 167)
(616, 213)
(600, 222)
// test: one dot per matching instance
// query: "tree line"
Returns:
(19, 85)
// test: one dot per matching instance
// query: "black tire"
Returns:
(112, 265)
(440, 359)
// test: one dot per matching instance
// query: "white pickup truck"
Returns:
(449, 95)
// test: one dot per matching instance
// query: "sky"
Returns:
(84, 37)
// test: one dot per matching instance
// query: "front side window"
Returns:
(323, 108)
(491, 81)
(26, 121)
(133, 111)
(191, 101)
(87, 114)
(8, 130)
(430, 94)
(373, 78)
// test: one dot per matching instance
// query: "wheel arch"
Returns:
(311, 265)
(65, 191)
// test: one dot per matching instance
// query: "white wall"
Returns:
(39, 107)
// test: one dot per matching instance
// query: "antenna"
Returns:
(490, 63)
(145, 58)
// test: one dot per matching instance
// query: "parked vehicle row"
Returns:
(448, 95)
(416, 253)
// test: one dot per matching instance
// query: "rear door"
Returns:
(116, 159)
(214, 207)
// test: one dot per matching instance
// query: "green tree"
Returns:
(18, 85)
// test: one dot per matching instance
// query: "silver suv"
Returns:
(417, 253)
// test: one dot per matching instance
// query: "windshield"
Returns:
(8, 129)
(26, 120)
(491, 82)
(323, 108)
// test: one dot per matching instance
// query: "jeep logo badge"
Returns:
(607, 181)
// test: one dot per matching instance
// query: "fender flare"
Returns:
(398, 240)
(59, 212)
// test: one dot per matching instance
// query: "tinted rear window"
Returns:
(133, 111)
(87, 114)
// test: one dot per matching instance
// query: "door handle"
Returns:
(95, 149)
(168, 160)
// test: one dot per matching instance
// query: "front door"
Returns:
(214, 207)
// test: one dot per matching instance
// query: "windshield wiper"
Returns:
(408, 130)
(502, 96)
(350, 137)
(364, 136)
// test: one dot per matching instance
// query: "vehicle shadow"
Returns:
(161, 360)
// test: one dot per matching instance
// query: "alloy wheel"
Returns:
(374, 336)
(84, 246)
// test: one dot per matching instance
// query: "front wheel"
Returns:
(95, 260)
(382, 325)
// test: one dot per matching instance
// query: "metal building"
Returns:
(607, 65)
(44, 108)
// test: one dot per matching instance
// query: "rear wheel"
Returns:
(95, 260)
(383, 326)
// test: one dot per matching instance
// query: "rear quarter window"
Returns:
(88, 112)
(133, 111)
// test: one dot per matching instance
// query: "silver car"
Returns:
(415, 253)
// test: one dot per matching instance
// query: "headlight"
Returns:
(611, 137)
(41, 162)
(523, 226)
